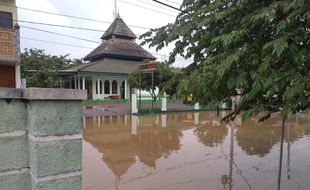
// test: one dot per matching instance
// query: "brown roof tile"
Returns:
(107, 66)
(119, 48)
(119, 29)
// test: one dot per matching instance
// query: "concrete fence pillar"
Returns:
(24, 83)
(164, 102)
(14, 151)
(134, 107)
(224, 105)
(234, 102)
(196, 106)
(41, 146)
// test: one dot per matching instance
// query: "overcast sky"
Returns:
(92, 9)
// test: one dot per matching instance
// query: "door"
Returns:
(7, 76)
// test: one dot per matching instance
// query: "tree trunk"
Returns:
(281, 153)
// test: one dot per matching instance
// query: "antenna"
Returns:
(115, 12)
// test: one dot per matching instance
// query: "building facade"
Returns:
(104, 76)
(9, 45)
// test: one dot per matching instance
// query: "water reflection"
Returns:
(121, 145)
(258, 140)
(192, 151)
(211, 132)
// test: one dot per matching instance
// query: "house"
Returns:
(105, 74)
(9, 46)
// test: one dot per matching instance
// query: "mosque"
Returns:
(105, 74)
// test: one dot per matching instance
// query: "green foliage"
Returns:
(164, 79)
(257, 48)
(40, 70)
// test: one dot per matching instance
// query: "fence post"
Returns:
(164, 102)
(196, 106)
(41, 139)
(134, 108)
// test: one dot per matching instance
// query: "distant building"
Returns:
(9, 46)
(105, 75)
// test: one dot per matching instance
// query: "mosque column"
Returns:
(78, 82)
(98, 88)
(110, 86)
(83, 83)
(70, 82)
(126, 89)
(75, 82)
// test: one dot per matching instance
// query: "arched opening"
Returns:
(96, 86)
(114, 87)
(100, 86)
(106, 87)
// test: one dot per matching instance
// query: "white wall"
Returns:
(119, 81)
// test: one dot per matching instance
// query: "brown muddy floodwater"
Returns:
(194, 151)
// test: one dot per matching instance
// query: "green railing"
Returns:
(147, 105)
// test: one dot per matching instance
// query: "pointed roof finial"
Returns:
(115, 12)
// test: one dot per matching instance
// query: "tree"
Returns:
(258, 49)
(163, 75)
(40, 69)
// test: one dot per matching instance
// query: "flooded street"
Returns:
(194, 151)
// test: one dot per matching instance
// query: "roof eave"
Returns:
(127, 57)
(106, 37)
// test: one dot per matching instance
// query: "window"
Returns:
(106, 87)
(114, 87)
(96, 86)
(100, 86)
(6, 19)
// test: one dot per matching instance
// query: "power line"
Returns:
(79, 39)
(46, 41)
(167, 56)
(69, 36)
(57, 25)
(173, 2)
(71, 45)
(146, 8)
(83, 39)
(172, 7)
(63, 26)
(71, 16)
(147, 3)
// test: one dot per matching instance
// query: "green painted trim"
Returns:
(105, 101)
(91, 73)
